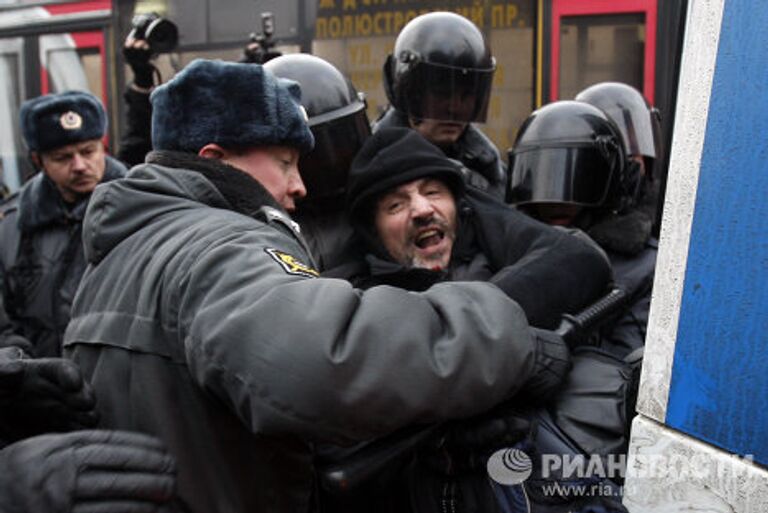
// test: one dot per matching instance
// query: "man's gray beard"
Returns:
(429, 263)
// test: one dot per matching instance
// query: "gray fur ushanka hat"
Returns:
(55, 120)
(234, 105)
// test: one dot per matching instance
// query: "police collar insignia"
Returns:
(291, 264)
(71, 120)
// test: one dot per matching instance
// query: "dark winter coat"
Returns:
(41, 262)
(200, 320)
(473, 149)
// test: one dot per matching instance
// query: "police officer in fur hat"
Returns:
(602, 185)
(41, 257)
(203, 321)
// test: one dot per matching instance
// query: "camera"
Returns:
(264, 50)
(265, 39)
(161, 34)
(267, 24)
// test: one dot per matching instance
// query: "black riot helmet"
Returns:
(441, 68)
(639, 123)
(570, 152)
(337, 119)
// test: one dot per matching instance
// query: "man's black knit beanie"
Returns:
(390, 158)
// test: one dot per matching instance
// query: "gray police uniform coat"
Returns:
(41, 261)
(200, 320)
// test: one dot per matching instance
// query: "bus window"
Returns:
(73, 62)
(88, 65)
(12, 168)
(601, 48)
(598, 40)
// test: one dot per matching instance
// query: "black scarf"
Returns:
(244, 193)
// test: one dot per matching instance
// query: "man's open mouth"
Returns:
(429, 238)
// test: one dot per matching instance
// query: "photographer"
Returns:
(150, 36)
(136, 142)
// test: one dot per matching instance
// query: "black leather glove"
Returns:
(39, 395)
(14, 340)
(87, 472)
(138, 57)
(501, 427)
(258, 51)
(553, 362)
(252, 53)
(466, 444)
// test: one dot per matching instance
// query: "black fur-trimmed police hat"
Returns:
(234, 105)
(55, 120)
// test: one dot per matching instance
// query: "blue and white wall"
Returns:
(700, 442)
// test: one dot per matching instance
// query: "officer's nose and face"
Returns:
(76, 169)
(445, 122)
(416, 223)
(274, 167)
(280, 176)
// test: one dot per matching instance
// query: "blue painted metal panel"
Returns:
(719, 386)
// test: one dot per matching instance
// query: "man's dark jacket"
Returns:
(41, 262)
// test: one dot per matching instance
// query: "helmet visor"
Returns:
(324, 170)
(447, 93)
(578, 176)
(637, 129)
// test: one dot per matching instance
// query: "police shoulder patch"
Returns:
(9, 205)
(291, 264)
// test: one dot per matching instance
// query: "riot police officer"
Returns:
(340, 125)
(570, 167)
(438, 82)
(638, 122)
